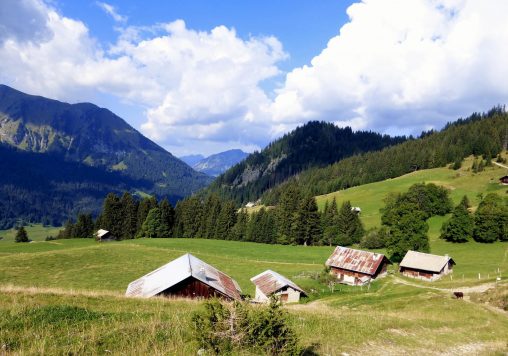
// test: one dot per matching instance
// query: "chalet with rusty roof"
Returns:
(271, 283)
(357, 267)
(425, 266)
(186, 277)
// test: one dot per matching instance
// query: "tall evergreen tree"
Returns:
(145, 205)
(167, 215)
(226, 221)
(210, 215)
(84, 227)
(112, 215)
(350, 227)
(460, 226)
(130, 216)
(311, 219)
(286, 214)
(21, 235)
(239, 231)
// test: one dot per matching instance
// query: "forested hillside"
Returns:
(75, 154)
(316, 144)
(481, 134)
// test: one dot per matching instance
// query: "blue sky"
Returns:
(209, 75)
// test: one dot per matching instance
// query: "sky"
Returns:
(204, 76)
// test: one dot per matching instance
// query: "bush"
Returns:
(375, 238)
(229, 327)
(50, 238)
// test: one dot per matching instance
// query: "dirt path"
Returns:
(500, 165)
(466, 290)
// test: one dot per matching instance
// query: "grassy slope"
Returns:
(392, 317)
(36, 232)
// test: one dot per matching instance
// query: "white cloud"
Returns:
(404, 64)
(397, 66)
(111, 11)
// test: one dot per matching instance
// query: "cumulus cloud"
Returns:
(111, 11)
(397, 66)
(23, 20)
(403, 65)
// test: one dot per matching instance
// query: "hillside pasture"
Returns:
(67, 297)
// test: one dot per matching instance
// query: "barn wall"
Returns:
(348, 277)
(192, 288)
(260, 296)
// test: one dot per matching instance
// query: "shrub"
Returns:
(229, 327)
(375, 238)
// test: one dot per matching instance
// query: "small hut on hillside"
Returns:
(104, 235)
(271, 283)
(503, 180)
(187, 277)
(357, 267)
(425, 266)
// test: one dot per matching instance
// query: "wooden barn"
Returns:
(425, 266)
(104, 235)
(186, 277)
(357, 267)
(271, 283)
(503, 180)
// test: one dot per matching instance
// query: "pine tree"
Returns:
(240, 229)
(311, 219)
(286, 214)
(226, 221)
(350, 227)
(130, 216)
(167, 215)
(21, 235)
(84, 227)
(460, 226)
(211, 211)
(112, 215)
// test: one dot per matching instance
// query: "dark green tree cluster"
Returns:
(126, 218)
(405, 217)
(491, 219)
(461, 224)
(482, 135)
(229, 328)
(296, 220)
(488, 224)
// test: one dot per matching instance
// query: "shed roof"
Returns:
(270, 282)
(356, 260)
(102, 232)
(178, 270)
(425, 261)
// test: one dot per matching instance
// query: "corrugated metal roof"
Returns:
(102, 232)
(178, 270)
(424, 261)
(270, 282)
(355, 260)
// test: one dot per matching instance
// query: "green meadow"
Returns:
(67, 296)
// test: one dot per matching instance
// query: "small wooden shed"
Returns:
(271, 283)
(425, 266)
(186, 277)
(357, 267)
(503, 180)
(104, 235)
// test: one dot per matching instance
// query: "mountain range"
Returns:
(215, 164)
(81, 137)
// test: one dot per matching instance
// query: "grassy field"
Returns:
(369, 197)
(67, 297)
(36, 232)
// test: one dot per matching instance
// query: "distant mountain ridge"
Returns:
(95, 137)
(315, 144)
(220, 162)
(192, 159)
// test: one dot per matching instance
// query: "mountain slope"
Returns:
(219, 163)
(109, 154)
(192, 159)
(480, 134)
(316, 144)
